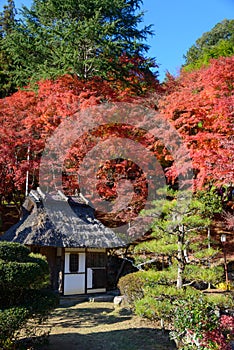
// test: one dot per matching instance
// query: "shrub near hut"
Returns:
(23, 278)
(131, 286)
(193, 316)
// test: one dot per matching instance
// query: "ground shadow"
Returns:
(128, 339)
(86, 317)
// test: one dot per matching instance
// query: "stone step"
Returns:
(97, 297)
(101, 298)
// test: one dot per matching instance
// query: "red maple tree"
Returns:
(29, 118)
(200, 104)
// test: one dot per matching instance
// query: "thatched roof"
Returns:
(59, 221)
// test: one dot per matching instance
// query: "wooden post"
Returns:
(27, 172)
(223, 240)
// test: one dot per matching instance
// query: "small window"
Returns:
(74, 263)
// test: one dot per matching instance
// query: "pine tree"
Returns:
(7, 23)
(177, 235)
(177, 241)
(85, 38)
(7, 18)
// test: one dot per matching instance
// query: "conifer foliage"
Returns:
(85, 38)
(7, 23)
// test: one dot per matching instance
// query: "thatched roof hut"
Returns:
(67, 232)
(60, 221)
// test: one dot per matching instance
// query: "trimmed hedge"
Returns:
(151, 295)
(11, 320)
(132, 286)
(13, 252)
(23, 278)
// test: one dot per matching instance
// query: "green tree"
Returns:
(85, 38)
(23, 279)
(177, 235)
(7, 18)
(218, 42)
(7, 23)
(212, 204)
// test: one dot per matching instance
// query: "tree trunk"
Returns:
(180, 257)
(180, 276)
(209, 246)
(208, 237)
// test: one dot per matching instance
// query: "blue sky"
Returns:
(177, 25)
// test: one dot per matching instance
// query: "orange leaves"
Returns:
(29, 118)
(200, 105)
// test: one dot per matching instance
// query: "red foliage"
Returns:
(200, 106)
(29, 118)
(15, 140)
(221, 336)
(229, 220)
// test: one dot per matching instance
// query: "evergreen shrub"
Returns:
(24, 292)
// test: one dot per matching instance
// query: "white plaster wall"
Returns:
(66, 263)
(89, 278)
(81, 262)
(74, 284)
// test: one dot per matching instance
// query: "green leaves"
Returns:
(23, 277)
(218, 42)
(20, 271)
(177, 236)
(10, 321)
(211, 202)
(83, 38)
(205, 253)
(177, 216)
(164, 246)
(196, 315)
(13, 252)
(154, 309)
(205, 274)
